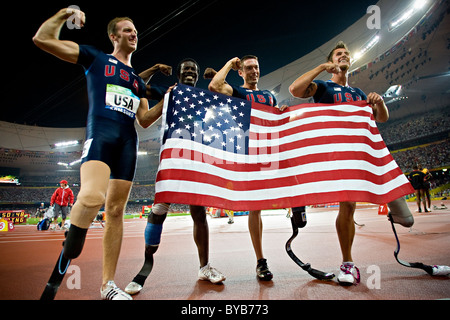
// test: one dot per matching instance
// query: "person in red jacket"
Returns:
(62, 199)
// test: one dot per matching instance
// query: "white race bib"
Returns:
(122, 100)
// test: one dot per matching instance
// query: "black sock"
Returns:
(74, 242)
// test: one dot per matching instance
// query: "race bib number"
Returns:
(122, 100)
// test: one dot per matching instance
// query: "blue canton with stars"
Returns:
(210, 118)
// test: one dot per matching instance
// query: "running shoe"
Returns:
(441, 270)
(113, 292)
(262, 270)
(348, 275)
(211, 274)
(133, 288)
(400, 213)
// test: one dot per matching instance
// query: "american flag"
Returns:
(235, 154)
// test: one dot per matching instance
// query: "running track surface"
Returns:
(28, 257)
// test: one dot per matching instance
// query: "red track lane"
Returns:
(28, 257)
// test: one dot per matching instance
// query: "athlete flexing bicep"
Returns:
(47, 36)
(110, 151)
(304, 87)
(218, 83)
(337, 90)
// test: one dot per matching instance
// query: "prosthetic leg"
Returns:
(298, 220)
(153, 232)
(72, 248)
(152, 238)
(431, 270)
(400, 213)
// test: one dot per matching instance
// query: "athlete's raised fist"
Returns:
(235, 63)
(331, 67)
(74, 16)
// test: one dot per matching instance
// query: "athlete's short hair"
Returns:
(186, 60)
(113, 23)
(339, 45)
(246, 57)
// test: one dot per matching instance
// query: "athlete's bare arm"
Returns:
(146, 75)
(218, 83)
(304, 87)
(209, 73)
(145, 117)
(47, 37)
(380, 111)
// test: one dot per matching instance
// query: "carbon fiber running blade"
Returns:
(305, 266)
(57, 276)
(418, 265)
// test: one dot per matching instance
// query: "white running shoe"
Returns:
(441, 270)
(133, 288)
(348, 275)
(113, 292)
(211, 274)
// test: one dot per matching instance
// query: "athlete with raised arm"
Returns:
(188, 73)
(116, 100)
(337, 90)
(248, 69)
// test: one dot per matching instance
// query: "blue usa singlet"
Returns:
(259, 96)
(114, 92)
(331, 92)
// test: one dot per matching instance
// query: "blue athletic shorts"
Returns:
(114, 144)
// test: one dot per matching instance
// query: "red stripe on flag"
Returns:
(332, 113)
(278, 203)
(234, 166)
(274, 182)
(311, 127)
(327, 140)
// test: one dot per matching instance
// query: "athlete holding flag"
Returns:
(248, 69)
(337, 90)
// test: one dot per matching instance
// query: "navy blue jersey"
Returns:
(331, 92)
(114, 92)
(259, 96)
(114, 89)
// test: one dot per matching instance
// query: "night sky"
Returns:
(48, 92)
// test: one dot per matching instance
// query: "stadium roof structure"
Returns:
(381, 48)
(35, 138)
(402, 33)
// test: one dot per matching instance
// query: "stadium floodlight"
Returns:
(64, 144)
(419, 4)
(369, 45)
(402, 18)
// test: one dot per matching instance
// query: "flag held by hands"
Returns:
(235, 154)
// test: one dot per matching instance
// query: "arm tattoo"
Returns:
(310, 90)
